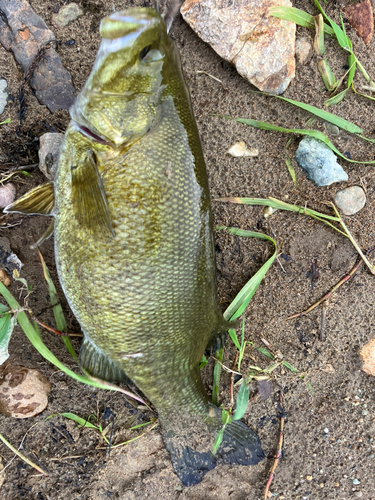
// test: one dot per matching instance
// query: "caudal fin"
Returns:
(189, 441)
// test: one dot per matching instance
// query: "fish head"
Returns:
(119, 102)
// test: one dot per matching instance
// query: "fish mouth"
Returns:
(96, 137)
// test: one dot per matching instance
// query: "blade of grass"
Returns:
(335, 99)
(291, 171)
(311, 133)
(217, 372)
(241, 402)
(242, 299)
(265, 352)
(273, 202)
(325, 115)
(56, 307)
(5, 121)
(7, 324)
(297, 16)
(22, 457)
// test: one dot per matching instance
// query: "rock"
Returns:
(260, 46)
(361, 19)
(7, 194)
(240, 149)
(8, 260)
(24, 33)
(303, 50)
(67, 14)
(319, 162)
(49, 153)
(332, 129)
(23, 392)
(3, 94)
(368, 356)
(2, 473)
(350, 200)
(4, 278)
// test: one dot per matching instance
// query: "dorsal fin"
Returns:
(39, 200)
(89, 200)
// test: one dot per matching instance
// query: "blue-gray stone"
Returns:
(319, 162)
(3, 94)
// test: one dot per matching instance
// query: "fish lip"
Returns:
(88, 131)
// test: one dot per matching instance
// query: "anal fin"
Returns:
(98, 365)
(89, 199)
(39, 200)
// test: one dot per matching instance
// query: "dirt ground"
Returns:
(329, 430)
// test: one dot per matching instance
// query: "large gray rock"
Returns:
(319, 162)
(260, 46)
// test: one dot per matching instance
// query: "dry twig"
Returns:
(331, 292)
(279, 451)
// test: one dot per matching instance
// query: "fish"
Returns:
(134, 239)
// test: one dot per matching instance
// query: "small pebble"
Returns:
(70, 42)
(4, 277)
(356, 482)
(7, 194)
(309, 478)
(303, 50)
(239, 149)
(358, 494)
(350, 200)
(3, 94)
(319, 162)
(67, 14)
(332, 129)
(364, 412)
(326, 430)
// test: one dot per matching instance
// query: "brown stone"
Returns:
(260, 46)
(24, 33)
(23, 392)
(361, 19)
(368, 355)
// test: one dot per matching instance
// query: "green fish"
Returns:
(134, 238)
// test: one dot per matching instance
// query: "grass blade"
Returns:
(242, 400)
(22, 457)
(291, 171)
(265, 352)
(57, 309)
(217, 372)
(242, 299)
(297, 16)
(311, 133)
(7, 324)
(290, 367)
(335, 99)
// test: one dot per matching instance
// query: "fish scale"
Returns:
(134, 239)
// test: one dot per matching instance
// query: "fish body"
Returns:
(134, 238)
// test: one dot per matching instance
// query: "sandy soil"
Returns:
(328, 432)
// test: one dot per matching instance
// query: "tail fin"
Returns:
(189, 440)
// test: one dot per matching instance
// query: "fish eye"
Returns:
(144, 51)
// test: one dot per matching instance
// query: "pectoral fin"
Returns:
(89, 200)
(39, 200)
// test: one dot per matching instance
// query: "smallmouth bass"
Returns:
(134, 240)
